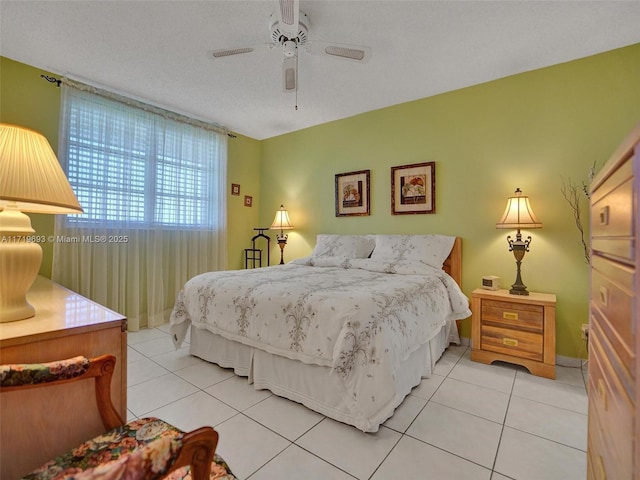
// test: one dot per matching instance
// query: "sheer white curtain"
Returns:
(152, 186)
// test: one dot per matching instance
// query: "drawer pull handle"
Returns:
(511, 342)
(604, 296)
(509, 315)
(601, 472)
(602, 391)
(604, 215)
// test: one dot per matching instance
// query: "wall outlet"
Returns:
(584, 331)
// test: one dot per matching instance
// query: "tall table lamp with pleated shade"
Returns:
(518, 215)
(281, 222)
(31, 180)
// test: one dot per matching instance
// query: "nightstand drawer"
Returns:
(510, 315)
(512, 342)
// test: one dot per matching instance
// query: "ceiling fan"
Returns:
(289, 28)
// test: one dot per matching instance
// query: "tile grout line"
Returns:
(504, 421)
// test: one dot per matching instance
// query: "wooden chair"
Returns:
(147, 448)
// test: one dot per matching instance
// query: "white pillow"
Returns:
(347, 246)
(430, 249)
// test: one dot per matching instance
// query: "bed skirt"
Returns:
(313, 385)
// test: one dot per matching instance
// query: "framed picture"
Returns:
(352, 193)
(248, 201)
(413, 189)
(235, 189)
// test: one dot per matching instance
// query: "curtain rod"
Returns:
(116, 96)
(51, 79)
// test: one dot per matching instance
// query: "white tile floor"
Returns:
(469, 421)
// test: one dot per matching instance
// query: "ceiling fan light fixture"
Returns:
(290, 48)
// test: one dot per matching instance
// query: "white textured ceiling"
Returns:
(157, 50)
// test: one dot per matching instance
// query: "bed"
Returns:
(347, 331)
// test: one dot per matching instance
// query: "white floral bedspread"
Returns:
(360, 322)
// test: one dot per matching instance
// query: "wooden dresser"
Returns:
(614, 339)
(519, 329)
(36, 428)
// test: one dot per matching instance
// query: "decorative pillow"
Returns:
(430, 249)
(347, 246)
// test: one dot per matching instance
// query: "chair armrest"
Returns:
(38, 375)
(198, 449)
(23, 374)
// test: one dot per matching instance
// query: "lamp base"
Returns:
(282, 242)
(519, 248)
(518, 290)
(19, 264)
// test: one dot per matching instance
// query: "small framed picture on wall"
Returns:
(248, 201)
(235, 189)
(352, 193)
(413, 189)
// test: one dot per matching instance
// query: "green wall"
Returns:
(244, 170)
(28, 100)
(528, 131)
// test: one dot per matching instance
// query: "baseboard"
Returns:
(569, 361)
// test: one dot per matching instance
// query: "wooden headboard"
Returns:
(453, 264)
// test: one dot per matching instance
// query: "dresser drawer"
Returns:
(508, 314)
(611, 407)
(512, 342)
(612, 213)
(612, 294)
(601, 464)
(612, 344)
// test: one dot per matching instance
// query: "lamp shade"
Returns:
(518, 213)
(30, 175)
(281, 220)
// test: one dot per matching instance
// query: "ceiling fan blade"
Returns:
(288, 16)
(290, 74)
(356, 53)
(227, 52)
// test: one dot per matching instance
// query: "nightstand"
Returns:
(518, 329)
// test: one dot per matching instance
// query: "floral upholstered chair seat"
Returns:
(144, 449)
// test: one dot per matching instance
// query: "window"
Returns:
(137, 167)
(153, 187)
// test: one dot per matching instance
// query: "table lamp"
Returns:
(31, 180)
(281, 222)
(518, 214)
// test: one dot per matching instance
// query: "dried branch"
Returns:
(572, 193)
